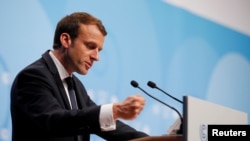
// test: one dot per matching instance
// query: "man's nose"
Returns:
(95, 55)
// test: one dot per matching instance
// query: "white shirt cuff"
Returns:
(106, 118)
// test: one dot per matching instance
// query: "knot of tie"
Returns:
(69, 81)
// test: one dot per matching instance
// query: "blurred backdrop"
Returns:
(192, 47)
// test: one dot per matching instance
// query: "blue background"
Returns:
(183, 53)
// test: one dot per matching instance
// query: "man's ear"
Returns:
(65, 40)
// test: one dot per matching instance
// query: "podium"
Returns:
(161, 138)
(197, 115)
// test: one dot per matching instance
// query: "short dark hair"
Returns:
(71, 23)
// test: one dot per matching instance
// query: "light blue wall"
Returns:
(147, 40)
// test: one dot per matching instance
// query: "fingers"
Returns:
(130, 108)
(138, 103)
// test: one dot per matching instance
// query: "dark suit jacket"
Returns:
(40, 109)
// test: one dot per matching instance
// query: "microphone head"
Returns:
(134, 83)
(151, 84)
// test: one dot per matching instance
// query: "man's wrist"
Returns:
(106, 119)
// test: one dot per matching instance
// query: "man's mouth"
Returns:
(88, 65)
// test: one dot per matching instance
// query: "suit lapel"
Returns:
(52, 67)
(63, 93)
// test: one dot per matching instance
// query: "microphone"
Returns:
(136, 85)
(153, 85)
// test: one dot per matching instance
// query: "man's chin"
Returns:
(84, 72)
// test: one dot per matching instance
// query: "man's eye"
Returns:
(90, 46)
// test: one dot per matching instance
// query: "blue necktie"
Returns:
(72, 96)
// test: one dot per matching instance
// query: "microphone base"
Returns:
(180, 131)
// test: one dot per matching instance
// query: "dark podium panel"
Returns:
(161, 138)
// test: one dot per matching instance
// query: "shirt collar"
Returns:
(62, 71)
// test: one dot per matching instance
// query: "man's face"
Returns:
(84, 50)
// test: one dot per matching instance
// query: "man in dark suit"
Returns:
(41, 106)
